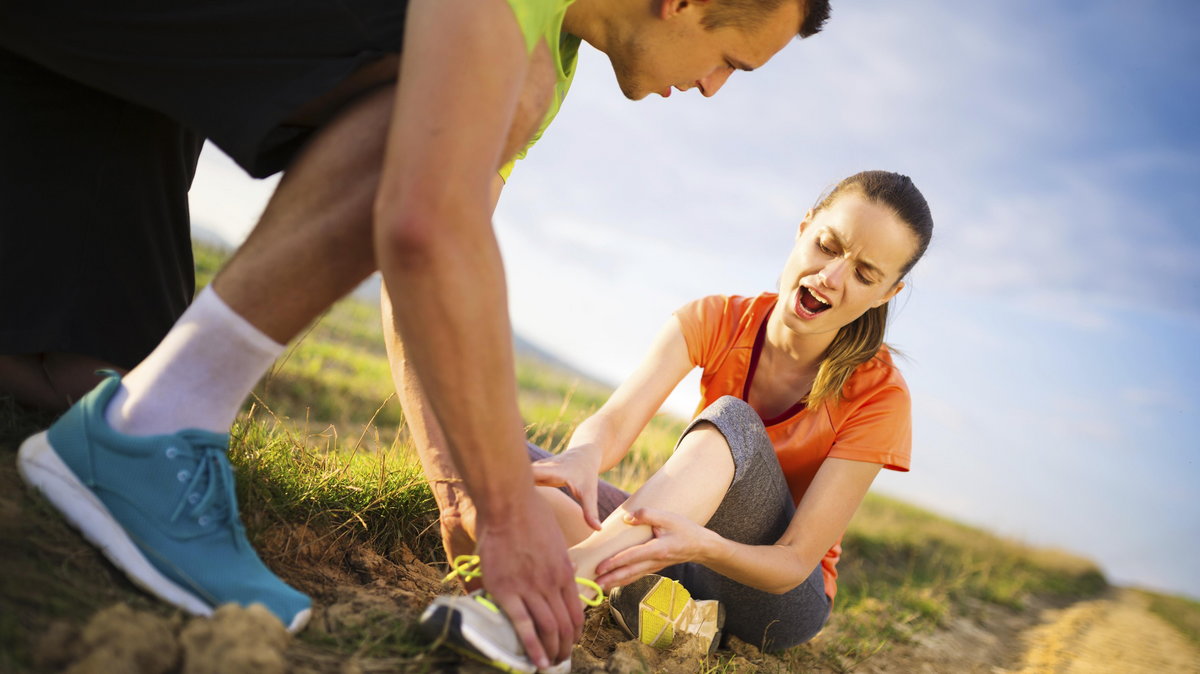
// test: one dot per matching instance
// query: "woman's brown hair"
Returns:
(859, 341)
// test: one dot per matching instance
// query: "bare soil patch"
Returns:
(1115, 634)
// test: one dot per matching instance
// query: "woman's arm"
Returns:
(603, 439)
(821, 517)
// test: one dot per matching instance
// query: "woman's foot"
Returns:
(655, 610)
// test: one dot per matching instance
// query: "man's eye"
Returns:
(823, 248)
(864, 278)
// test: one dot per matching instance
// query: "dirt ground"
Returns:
(1117, 634)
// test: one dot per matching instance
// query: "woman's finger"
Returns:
(547, 475)
(632, 555)
(591, 511)
(627, 574)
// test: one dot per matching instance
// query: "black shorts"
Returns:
(103, 110)
(233, 71)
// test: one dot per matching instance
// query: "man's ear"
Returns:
(671, 8)
(891, 293)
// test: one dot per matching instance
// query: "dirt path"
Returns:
(1115, 634)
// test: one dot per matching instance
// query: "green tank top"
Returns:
(541, 21)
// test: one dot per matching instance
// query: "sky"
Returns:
(1050, 332)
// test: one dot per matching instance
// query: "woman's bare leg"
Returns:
(691, 483)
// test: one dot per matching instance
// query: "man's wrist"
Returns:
(498, 504)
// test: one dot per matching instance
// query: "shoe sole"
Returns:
(41, 468)
(443, 624)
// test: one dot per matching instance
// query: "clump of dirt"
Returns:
(117, 639)
(235, 640)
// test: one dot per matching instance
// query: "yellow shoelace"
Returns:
(467, 566)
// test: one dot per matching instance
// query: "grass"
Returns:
(1180, 612)
(903, 570)
(322, 444)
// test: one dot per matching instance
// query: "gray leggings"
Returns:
(756, 511)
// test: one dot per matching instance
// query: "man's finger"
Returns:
(575, 614)
(521, 621)
(549, 625)
(570, 619)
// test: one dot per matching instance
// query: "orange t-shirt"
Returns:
(872, 422)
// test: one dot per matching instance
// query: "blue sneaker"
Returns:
(162, 508)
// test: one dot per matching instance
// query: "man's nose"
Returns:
(711, 83)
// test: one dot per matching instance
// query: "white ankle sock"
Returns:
(198, 376)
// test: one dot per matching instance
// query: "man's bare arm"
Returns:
(456, 511)
(461, 75)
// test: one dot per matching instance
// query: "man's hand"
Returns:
(526, 570)
(577, 469)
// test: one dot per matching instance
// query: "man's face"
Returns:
(675, 51)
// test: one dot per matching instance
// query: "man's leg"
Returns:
(50, 381)
(155, 492)
(312, 246)
(95, 247)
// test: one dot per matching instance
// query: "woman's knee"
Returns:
(742, 429)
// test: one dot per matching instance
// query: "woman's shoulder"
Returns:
(878, 374)
(727, 309)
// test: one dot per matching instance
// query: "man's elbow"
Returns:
(417, 222)
(411, 230)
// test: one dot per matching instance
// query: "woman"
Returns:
(801, 407)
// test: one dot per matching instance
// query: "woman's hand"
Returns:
(676, 539)
(577, 469)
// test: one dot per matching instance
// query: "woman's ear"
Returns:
(891, 293)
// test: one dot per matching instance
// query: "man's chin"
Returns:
(633, 94)
(631, 90)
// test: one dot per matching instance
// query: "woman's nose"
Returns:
(833, 273)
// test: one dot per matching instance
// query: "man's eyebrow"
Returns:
(738, 65)
(866, 264)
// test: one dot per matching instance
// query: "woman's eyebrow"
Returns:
(867, 265)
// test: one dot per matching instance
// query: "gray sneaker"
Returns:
(475, 626)
(654, 609)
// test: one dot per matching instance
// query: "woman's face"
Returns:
(847, 259)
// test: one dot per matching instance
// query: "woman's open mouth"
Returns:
(808, 303)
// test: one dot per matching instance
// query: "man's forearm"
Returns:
(453, 319)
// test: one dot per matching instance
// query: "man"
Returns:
(396, 173)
